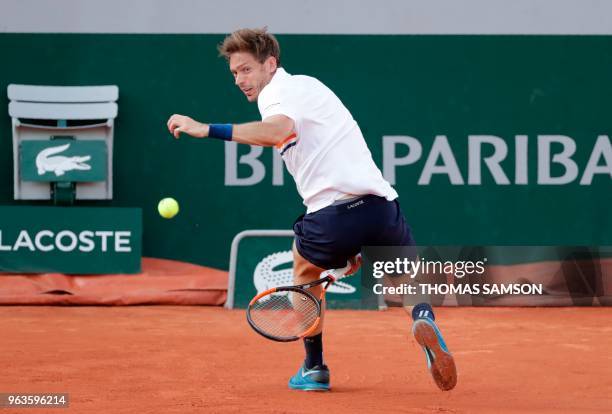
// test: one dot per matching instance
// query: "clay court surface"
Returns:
(206, 359)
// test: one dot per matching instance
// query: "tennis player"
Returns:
(348, 202)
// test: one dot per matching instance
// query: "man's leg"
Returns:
(313, 375)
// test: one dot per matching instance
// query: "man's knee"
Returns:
(302, 268)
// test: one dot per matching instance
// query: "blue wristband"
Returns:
(220, 131)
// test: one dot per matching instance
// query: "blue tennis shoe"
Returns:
(440, 362)
(314, 379)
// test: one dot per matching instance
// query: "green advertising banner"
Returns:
(266, 262)
(75, 240)
(63, 160)
(488, 139)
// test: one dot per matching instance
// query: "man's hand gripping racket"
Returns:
(289, 313)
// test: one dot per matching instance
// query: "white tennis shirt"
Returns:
(327, 154)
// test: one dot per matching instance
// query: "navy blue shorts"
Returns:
(328, 237)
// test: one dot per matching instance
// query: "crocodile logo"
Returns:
(267, 276)
(47, 160)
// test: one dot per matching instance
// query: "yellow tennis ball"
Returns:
(168, 207)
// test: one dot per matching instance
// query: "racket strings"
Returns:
(284, 316)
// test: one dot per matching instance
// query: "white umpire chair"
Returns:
(47, 112)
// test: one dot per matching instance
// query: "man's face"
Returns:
(250, 75)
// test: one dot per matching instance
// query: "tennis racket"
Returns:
(288, 313)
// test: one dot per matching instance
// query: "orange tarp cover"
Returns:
(161, 282)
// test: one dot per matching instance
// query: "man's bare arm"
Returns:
(268, 132)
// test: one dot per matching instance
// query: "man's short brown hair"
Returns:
(257, 42)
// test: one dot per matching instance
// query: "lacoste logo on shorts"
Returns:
(360, 202)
